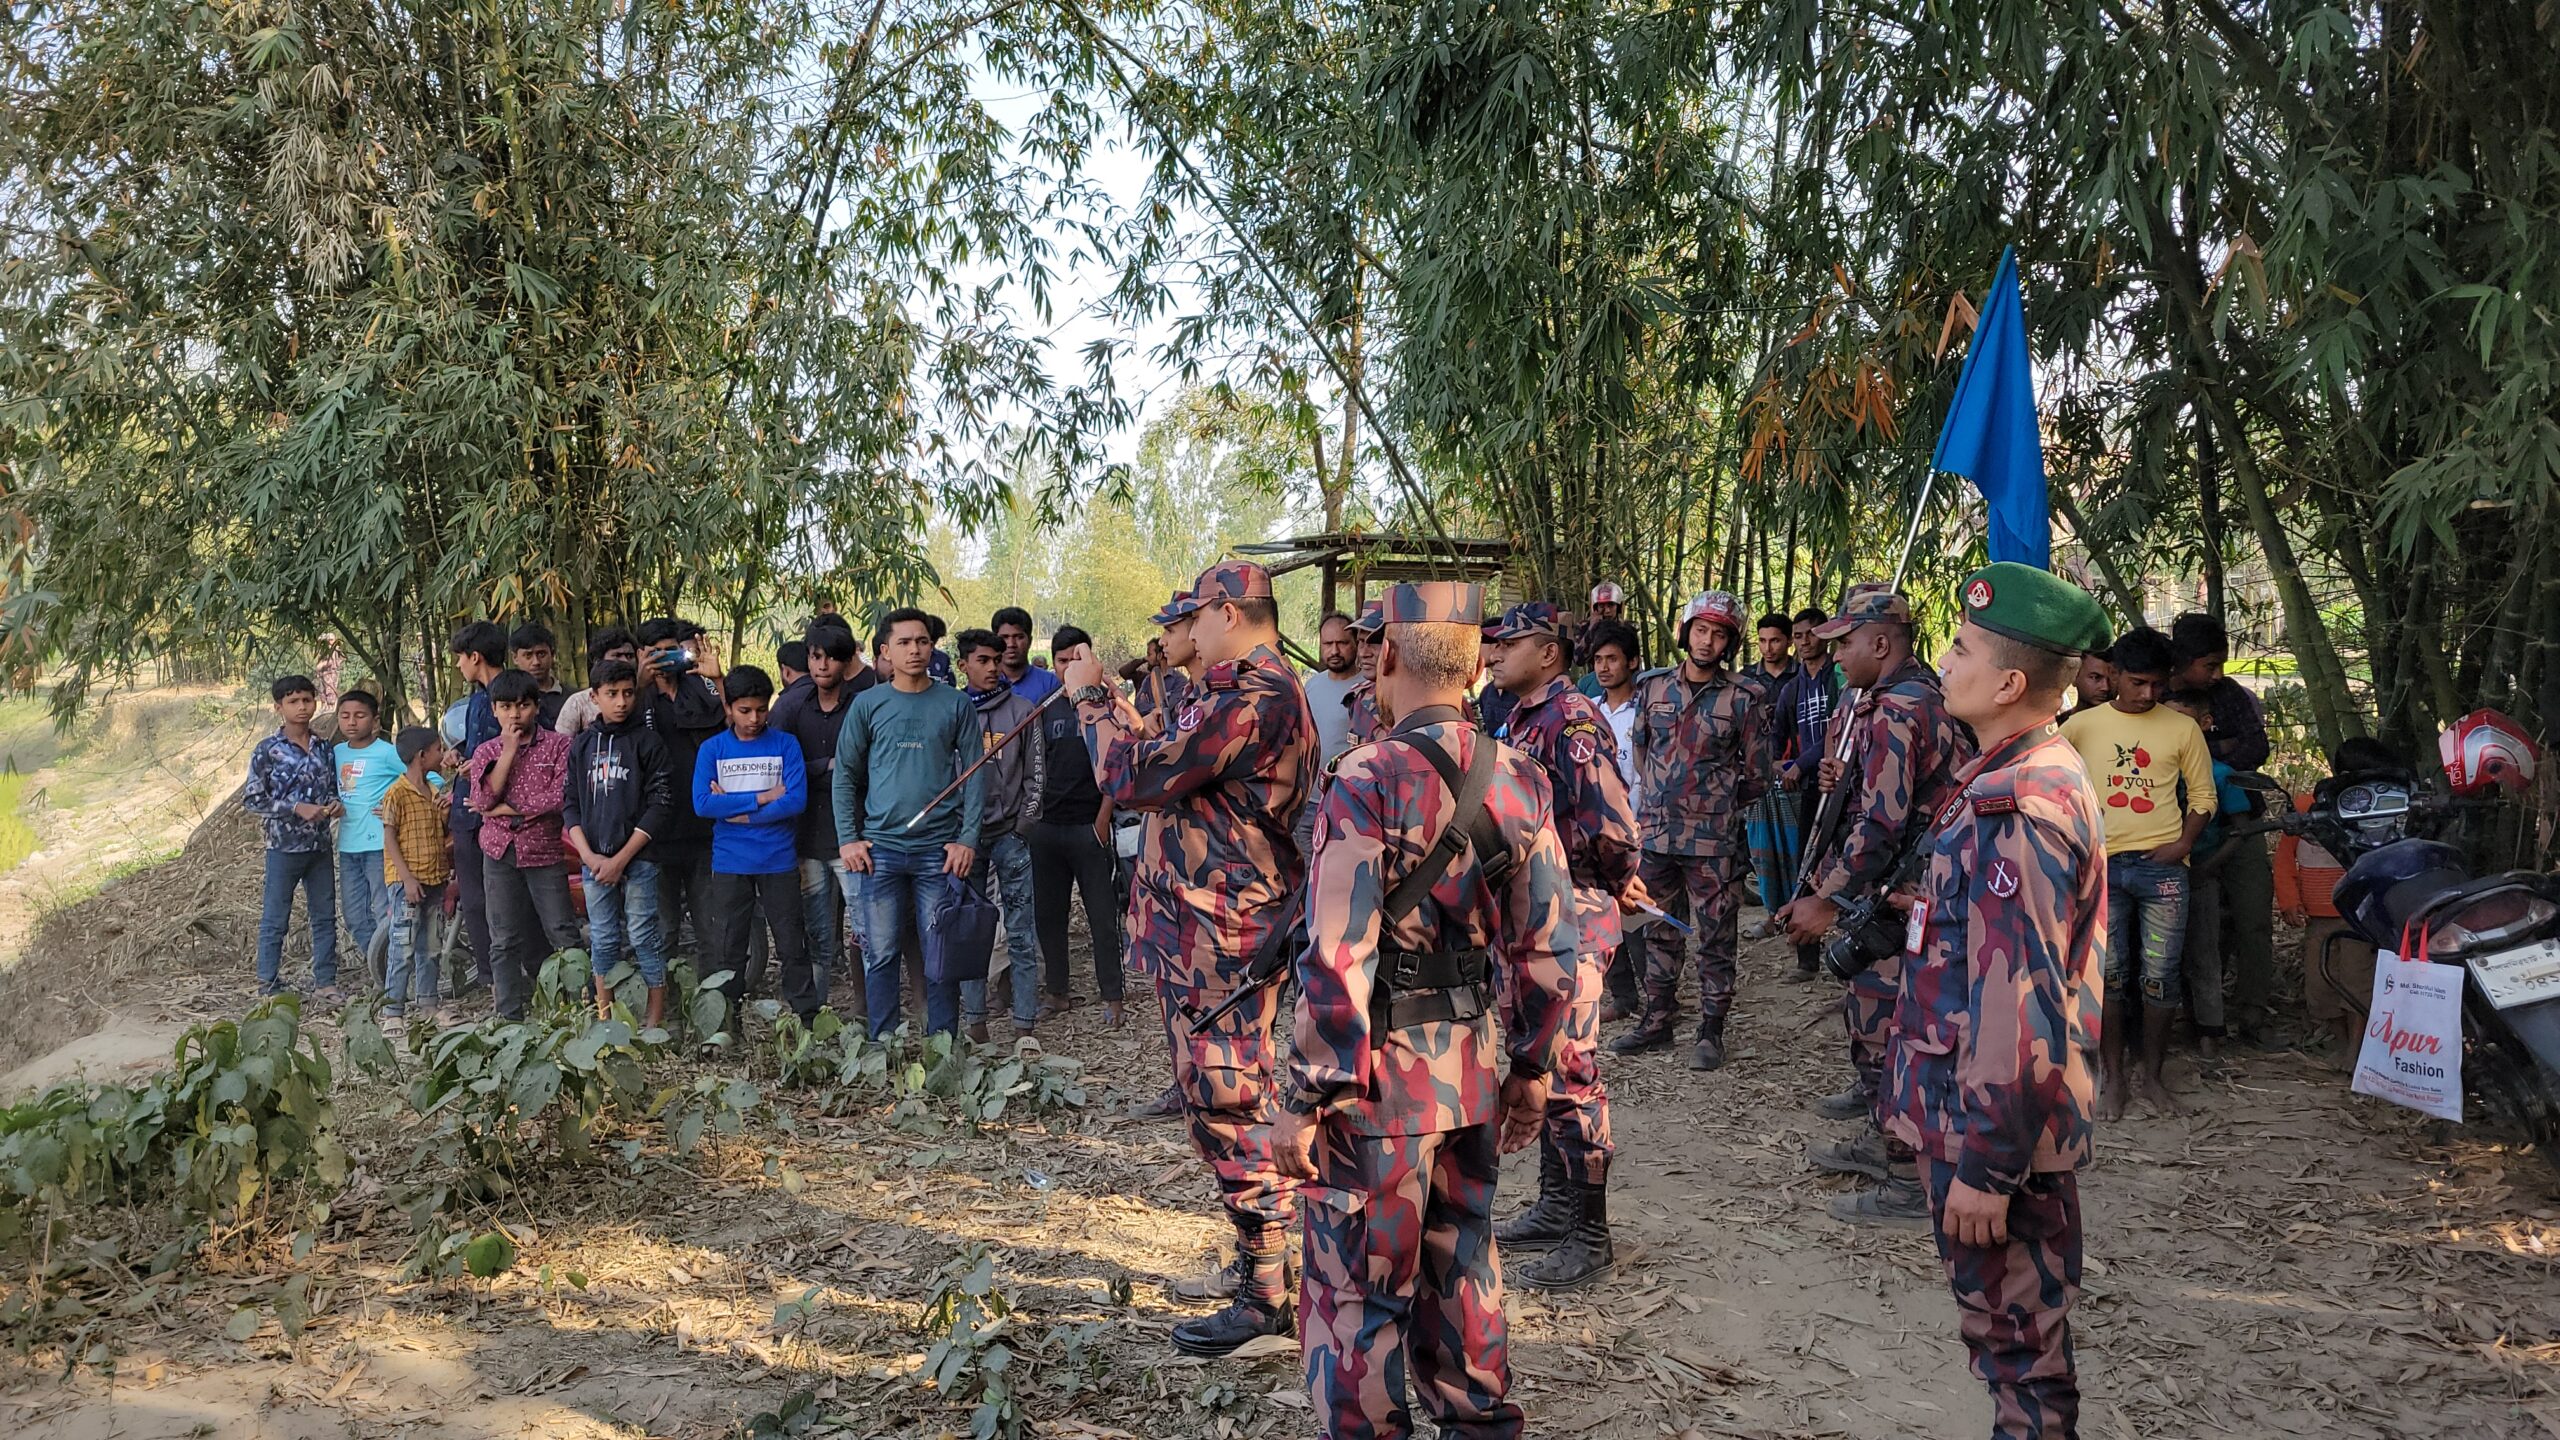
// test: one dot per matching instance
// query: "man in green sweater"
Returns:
(902, 743)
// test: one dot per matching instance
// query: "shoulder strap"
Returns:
(1468, 825)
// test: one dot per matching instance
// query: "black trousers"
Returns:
(737, 903)
(1066, 859)
(470, 899)
(530, 920)
(684, 891)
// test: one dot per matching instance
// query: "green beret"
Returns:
(2031, 605)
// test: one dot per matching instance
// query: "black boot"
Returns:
(1551, 1218)
(1219, 1284)
(1862, 1155)
(1641, 1039)
(1849, 1104)
(1245, 1318)
(1897, 1201)
(1710, 1052)
(1584, 1256)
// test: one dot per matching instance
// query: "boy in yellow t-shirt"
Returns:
(2138, 751)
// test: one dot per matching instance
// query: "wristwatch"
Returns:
(1092, 695)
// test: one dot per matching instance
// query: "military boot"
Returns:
(1245, 1318)
(1550, 1219)
(1849, 1104)
(1221, 1283)
(1864, 1154)
(1641, 1039)
(1709, 1055)
(1584, 1256)
(1897, 1201)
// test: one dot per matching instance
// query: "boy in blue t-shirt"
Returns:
(367, 764)
(752, 784)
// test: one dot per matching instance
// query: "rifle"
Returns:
(1835, 801)
(994, 750)
(1269, 963)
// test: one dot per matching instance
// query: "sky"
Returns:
(1120, 171)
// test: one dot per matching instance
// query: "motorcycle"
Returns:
(2403, 887)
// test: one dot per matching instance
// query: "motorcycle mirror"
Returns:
(2252, 780)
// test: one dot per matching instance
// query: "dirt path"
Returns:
(2290, 1261)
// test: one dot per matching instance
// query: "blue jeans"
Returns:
(1003, 874)
(623, 918)
(364, 899)
(313, 870)
(408, 971)
(902, 893)
(2146, 918)
(820, 885)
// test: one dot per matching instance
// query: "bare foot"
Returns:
(2156, 1094)
(2110, 1099)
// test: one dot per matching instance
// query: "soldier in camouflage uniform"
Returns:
(1230, 771)
(1564, 731)
(1395, 1113)
(2001, 994)
(1701, 757)
(1162, 690)
(1901, 767)
(1363, 699)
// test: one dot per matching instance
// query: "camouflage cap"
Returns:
(1174, 609)
(2029, 605)
(1873, 603)
(1373, 618)
(1536, 617)
(1608, 592)
(1433, 602)
(1227, 580)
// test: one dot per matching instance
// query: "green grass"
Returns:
(17, 838)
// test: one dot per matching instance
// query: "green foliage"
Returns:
(368, 319)
(245, 1106)
(922, 1080)
(969, 1319)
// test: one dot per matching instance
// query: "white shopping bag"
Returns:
(2413, 1035)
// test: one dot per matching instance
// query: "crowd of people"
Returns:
(1981, 877)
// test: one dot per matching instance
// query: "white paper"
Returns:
(2413, 1037)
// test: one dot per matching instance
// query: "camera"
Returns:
(1868, 931)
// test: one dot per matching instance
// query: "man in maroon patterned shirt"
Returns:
(518, 782)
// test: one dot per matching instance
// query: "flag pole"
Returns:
(1910, 536)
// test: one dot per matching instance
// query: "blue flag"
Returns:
(1990, 435)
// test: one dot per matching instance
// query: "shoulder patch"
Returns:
(2001, 803)
(1188, 718)
(1225, 675)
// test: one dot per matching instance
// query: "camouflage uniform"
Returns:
(1701, 758)
(1363, 700)
(1566, 734)
(1907, 754)
(1363, 704)
(1401, 1267)
(1227, 771)
(2002, 985)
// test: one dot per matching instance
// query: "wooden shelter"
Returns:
(1371, 562)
